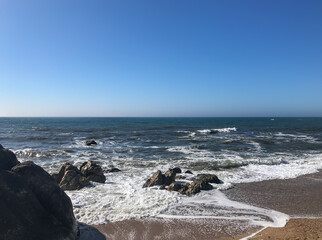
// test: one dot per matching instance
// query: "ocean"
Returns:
(237, 150)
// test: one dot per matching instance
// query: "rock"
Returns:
(176, 170)
(90, 143)
(35, 207)
(92, 172)
(156, 179)
(174, 186)
(211, 178)
(114, 170)
(73, 180)
(7, 159)
(63, 168)
(180, 177)
(162, 187)
(196, 186)
(179, 187)
(188, 172)
(169, 177)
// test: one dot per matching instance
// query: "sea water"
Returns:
(235, 149)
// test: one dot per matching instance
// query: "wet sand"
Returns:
(299, 197)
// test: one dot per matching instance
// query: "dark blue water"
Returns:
(168, 139)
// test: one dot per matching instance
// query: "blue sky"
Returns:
(160, 58)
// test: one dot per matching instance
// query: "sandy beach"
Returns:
(300, 198)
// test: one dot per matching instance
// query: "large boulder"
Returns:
(92, 172)
(33, 206)
(7, 159)
(52, 198)
(156, 179)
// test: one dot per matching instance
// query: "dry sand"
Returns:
(299, 197)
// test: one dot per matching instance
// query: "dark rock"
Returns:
(90, 142)
(63, 168)
(114, 170)
(87, 232)
(37, 203)
(92, 172)
(175, 186)
(162, 187)
(169, 177)
(156, 179)
(188, 172)
(180, 177)
(211, 178)
(7, 159)
(184, 188)
(176, 170)
(196, 186)
(73, 180)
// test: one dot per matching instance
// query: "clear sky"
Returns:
(160, 58)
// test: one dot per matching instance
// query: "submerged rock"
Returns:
(113, 170)
(7, 159)
(33, 206)
(90, 142)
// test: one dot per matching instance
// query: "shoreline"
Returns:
(300, 198)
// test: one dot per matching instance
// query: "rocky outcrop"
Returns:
(70, 177)
(196, 187)
(7, 159)
(92, 172)
(202, 182)
(33, 206)
(156, 179)
(90, 142)
(161, 179)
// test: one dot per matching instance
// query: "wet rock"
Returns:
(90, 143)
(176, 170)
(162, 187)
(73, 180)
(196, 186)
(92, 172)
(169, 177)
(184, 188)
(156, 179)
(114, 170)
(188, 172)
(178, 177)
(33, 206)
(7, 159)
(175, 186)
(210, 178)
(63, 168)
